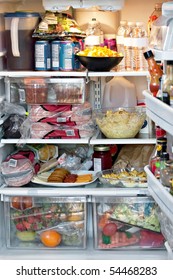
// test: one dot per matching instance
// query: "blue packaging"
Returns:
(67, 55)
(42, 55)
(55, 55)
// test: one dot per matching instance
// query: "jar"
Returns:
(102, 158)
(166, 174)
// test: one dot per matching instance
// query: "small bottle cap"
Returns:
(148, 54)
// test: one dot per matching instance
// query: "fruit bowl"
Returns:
(120, 122)
(99, 64)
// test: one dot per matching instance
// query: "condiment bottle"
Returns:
(154, 15)
(159, 149)
(166, 174)
(102, 158)
(155, 71)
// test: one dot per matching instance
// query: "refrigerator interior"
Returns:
(110, 23)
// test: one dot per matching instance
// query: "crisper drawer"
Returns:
(126, 223)
(41, 90)
(45, 222)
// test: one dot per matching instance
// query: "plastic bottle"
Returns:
(155, 71)
(139, 45)
(120, 43)
(119, 92)
(94, 34)
(168, 81)
(128, 46)
(154, 15)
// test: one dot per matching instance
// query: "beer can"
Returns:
(55, 55)
(67, 55)
(42, 55)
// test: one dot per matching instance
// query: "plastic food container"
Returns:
(126, 222)
(41, 90)
(128, 178)
(27, 220)
(120, 122)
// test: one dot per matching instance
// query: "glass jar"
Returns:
(166, 174)
(102, 158)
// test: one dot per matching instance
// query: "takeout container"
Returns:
(99, 64)
(123, 122)
(126, 223)
(23, 226)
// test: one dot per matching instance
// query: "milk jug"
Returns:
(119, 92)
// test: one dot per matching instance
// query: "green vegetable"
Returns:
(106, 239)
(26, 235)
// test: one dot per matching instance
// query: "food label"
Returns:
(97, 164)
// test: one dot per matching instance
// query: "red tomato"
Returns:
(110, 229)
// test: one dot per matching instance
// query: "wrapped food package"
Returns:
(55, 25)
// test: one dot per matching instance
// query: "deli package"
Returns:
(55, 25)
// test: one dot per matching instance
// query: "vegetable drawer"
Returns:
(126, 222)
(45, 222)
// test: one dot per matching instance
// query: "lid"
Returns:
(101, 148)
(164, 156)
(21, 14)
(158, 6)
(161, 140)
(123, 22)
(148, 54)
(170, 62)
(131, 23)
(139, 23)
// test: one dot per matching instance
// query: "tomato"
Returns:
(109, 229)
(15, 202)
(50, 238)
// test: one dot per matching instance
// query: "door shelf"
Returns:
(159, 112)
(160, 194)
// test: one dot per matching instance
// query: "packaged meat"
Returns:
(57, 114)
(17, 172)
(36, 90)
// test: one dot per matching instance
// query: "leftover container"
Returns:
(46, 90)
(120, 122)
(121, 222)
(123, 178)
(44, 219)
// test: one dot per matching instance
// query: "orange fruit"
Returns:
(50, 238)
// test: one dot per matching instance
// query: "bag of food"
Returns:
(17, 172)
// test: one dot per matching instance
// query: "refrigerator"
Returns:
(79, 210)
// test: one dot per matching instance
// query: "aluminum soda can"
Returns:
(42, 55)
(67, 55)
(55, 55)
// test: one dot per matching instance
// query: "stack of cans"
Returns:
(56, 55)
